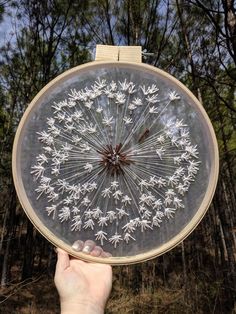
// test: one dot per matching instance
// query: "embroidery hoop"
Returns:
(113, 54)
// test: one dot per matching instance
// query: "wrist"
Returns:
(85, 307)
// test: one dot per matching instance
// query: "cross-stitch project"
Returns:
(116, 158)
(88, 155)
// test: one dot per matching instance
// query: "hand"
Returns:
(90, 247)
(83, 287)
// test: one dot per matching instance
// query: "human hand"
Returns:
(83, 287)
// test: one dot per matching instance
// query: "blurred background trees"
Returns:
(193, 40)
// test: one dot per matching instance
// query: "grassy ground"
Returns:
(200, 294)
(39, 296)
(30, 297)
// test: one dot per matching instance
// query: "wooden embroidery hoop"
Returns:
(109, 55)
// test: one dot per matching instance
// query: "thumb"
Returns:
(63, 260)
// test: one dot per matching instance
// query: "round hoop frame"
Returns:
(125, 259)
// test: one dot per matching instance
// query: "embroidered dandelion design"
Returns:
(111, 163)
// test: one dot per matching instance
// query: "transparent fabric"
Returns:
(116, 153)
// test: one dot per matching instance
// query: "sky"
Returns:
(7, 26)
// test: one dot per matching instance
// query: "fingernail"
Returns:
(106, 255)
(87, 249)
(77, 246)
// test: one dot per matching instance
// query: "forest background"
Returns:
(193, 40)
